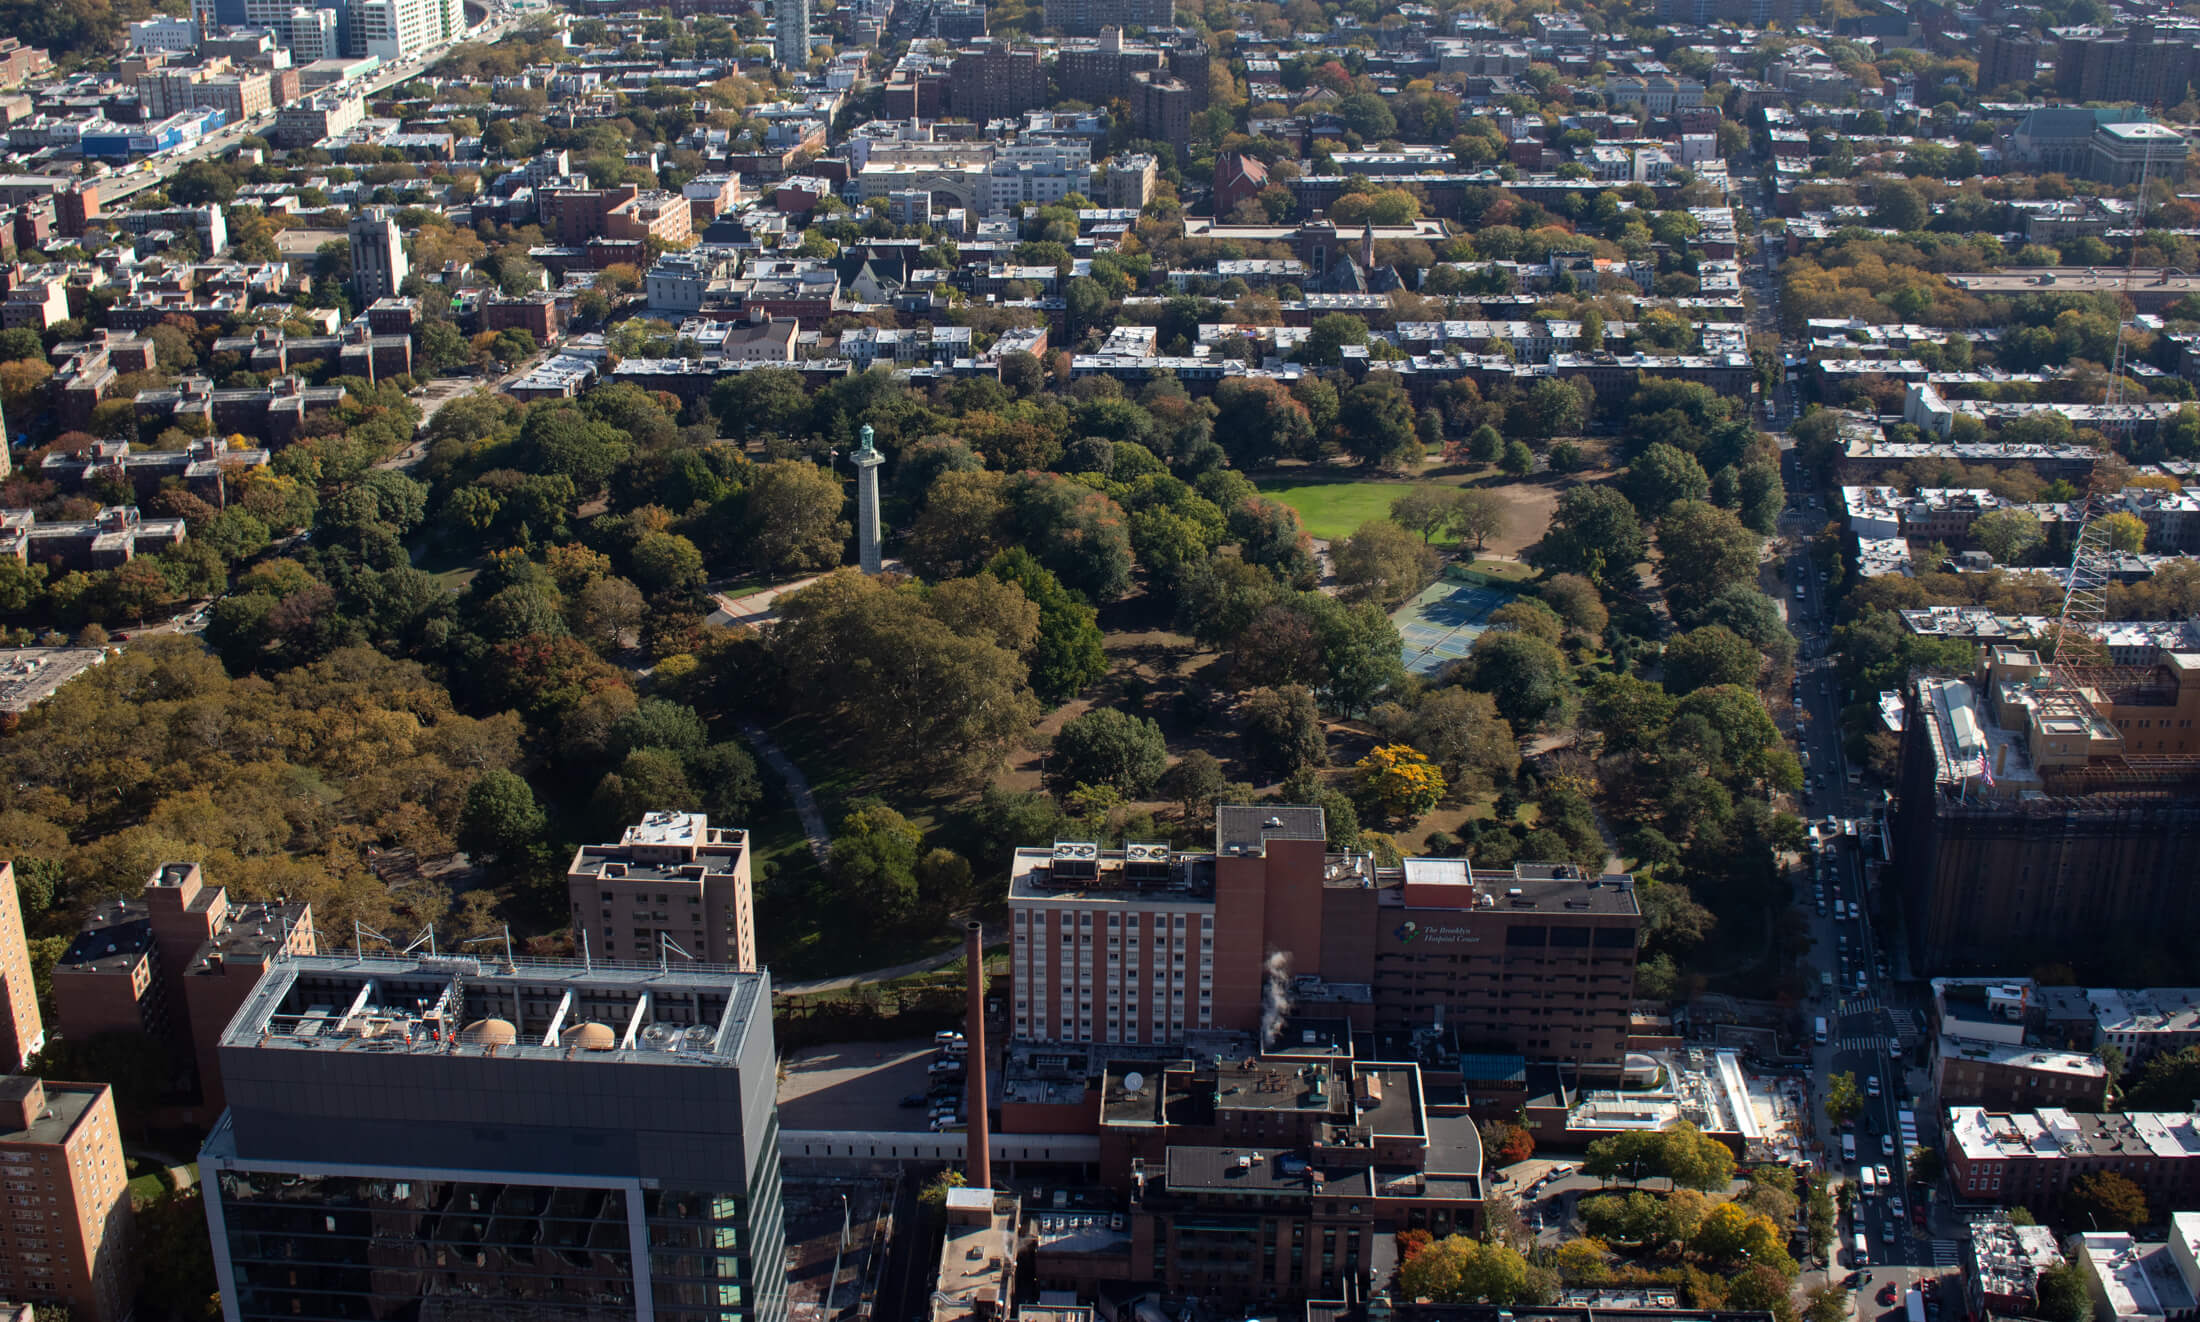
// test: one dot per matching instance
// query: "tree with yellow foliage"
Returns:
(1397, 781)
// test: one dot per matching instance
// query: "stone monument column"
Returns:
(867, 459)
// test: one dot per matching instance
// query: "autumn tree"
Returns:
(794, 522)
(1397, 782)
(1381, 562)
(2106, 1200)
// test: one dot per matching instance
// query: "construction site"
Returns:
(2045, 797)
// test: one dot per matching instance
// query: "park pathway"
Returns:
(798, 786)
(847, 980)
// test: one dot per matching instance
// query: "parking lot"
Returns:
(856, 1086)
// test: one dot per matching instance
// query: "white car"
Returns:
(1871, 1085)
(1881, 1172)
(1886, 1144)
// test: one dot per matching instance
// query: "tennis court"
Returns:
(1440, 624)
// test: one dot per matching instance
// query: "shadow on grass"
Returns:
(803, 930)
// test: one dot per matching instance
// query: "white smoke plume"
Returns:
(1275, 1000)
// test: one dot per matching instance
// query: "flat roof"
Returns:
(114, 938)
(2071, 279)
(682, 1014)
(66, 1104)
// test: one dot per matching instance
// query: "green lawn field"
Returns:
(1331, 510)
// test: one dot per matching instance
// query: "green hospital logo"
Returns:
(1408, 930)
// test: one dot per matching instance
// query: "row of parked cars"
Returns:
(949, 1074)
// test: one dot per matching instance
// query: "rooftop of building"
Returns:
(665, 846)
(252, 934)
(2054, 1134)
(2013, 1055)
(114, 938)
(978, 1256)
(65, 1105)
(2074, 279)
(676, 1014)
(2010, 1257)
(2136, 1280)
(1073, 870)
(2145, 1010)
(30, 675)
(1194, 1169)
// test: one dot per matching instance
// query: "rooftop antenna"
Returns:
(665, 943)
(506, 937)
(587, 963)
(359, 931)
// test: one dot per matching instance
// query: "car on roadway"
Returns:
(1881, 1172)
(1886, 1293)
(1871, 1085)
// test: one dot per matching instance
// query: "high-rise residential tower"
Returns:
(450, 1138)
(378, 264)
(791, 33)
(67, 1236)
(22, 1028)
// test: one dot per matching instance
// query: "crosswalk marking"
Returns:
(1947, 1253)
(1874, 1045)
(1861, 1005)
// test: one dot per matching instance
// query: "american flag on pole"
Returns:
(1984, 772)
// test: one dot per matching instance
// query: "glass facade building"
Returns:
(524, 1164)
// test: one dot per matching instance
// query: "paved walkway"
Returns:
(845, 981)
(798, 785)
(756, 609)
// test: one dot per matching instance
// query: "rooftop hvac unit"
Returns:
(1076, 860)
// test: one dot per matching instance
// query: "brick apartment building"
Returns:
(2029, 1158)
(2038, 819)
(22, 1028)
(2149, 63)
(573, 216)
(174, 964)
(1267, 1180)
(114, 536)
(67, 1239)
(537, 314)
(19, 62)
(990, 80)
(275, 412)
(1146, 944)
(1086, 18)
(202, 467)
(672, 877)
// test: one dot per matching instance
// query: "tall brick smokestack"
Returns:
(979, 1131)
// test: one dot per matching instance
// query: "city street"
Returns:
(1871, 1022)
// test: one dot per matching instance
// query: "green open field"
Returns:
(1331, 510)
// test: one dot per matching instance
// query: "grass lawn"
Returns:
(1331, 510)
(1511, 571)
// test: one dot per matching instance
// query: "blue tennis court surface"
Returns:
(1438, 626)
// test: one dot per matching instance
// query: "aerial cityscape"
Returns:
(1100, 661)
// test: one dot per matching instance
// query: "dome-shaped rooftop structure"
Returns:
(593, 1037)
(489, 1033)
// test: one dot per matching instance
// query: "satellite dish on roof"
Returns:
(1133, 1082)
